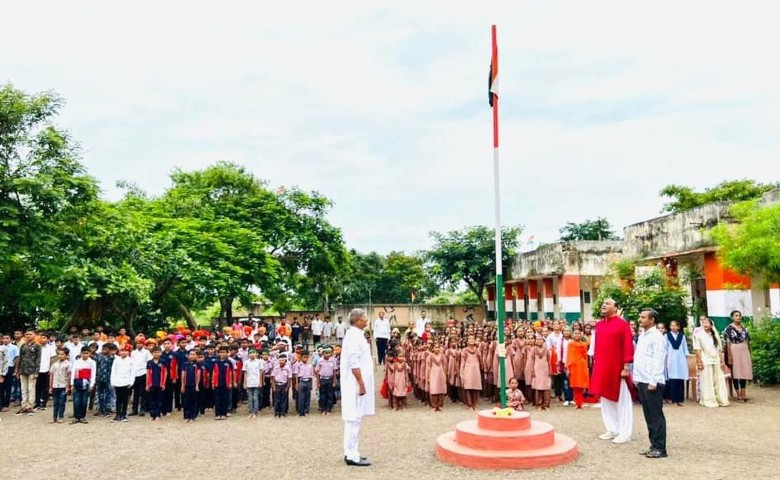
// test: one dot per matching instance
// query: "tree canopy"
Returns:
(468, 256)
(598, 229)
(685, 198)
(752, 246)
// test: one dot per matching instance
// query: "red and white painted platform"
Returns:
(505, 443)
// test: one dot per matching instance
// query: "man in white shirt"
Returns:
(140, 357)
(341, 330)
(48, 352)
(357, 386)
(419, 325)
(649, 362)
(327, 329)
(381, 331)
(316, 329)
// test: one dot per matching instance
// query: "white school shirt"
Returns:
(650, 358)
(253, 369)
(140, 360)
(327, 329)
(341, 330)
(82, 364)
(48, 350)
(316, 327)
(122, 372)
(74, 351)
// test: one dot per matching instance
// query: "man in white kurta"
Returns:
(419, 325)
(357, 385)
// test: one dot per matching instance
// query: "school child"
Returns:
(238, 367)
(190, 380)
(398, 381)
(205, 381)
(518, 358)
(156, 379)
(470, 373)
(528, 370)
(541, 382)
(676, 364)
(325, 371)
(209, 359)
(222, 382)
(282, 378)
(171, 362)
(452, 353)
(436, 369)
(577, 366)
(253, 381)
(265, 389)
(514, 396)
(304, 380)
(122, 379)
(59, 384)
(82, 381)
(103, 363)
(181, 354)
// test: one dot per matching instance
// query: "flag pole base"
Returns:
(512, 442)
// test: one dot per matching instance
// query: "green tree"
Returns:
(598, 229)
(751, 246)
(44, 191)
(685, 198)
(654, 290)
(468, 256)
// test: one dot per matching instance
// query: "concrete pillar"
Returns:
(726, 291)
(509, 300)
(774, 300)
(491, 304)
(533, 299)
(520, 291)
(548, 306)
(569, 297)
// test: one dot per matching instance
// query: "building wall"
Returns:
(402, 315)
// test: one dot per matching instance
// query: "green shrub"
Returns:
(765, 351)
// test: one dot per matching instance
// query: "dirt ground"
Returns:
(737, 442)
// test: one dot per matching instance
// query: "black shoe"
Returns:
(360, 463)
(656, 454)
(133, 414)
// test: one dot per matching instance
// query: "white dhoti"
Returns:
(618, 416)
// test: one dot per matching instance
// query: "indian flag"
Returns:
(493, 78)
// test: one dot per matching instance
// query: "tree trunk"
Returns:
(191, 323)
(226, 316)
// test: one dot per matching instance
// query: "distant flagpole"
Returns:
(500, 302)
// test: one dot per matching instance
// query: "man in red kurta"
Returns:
(613, 352)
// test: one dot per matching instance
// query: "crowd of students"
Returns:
(117, 376)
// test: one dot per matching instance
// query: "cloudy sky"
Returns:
(382, 106)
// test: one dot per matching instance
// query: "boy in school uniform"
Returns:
(205, 381)
(59, 384)
(265, 391)
(253, 381)
(209, 359)
(181, 354)
(325, 371)
(104, 361)
(190, 380)
(222, 382)
(156, 381)
(171, 362)
(82, 381)
(238, 367)
(282, 378)
(304, 380)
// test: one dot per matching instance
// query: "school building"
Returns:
(562, 280)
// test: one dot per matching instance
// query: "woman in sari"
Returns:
(711, 365)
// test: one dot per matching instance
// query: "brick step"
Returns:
(470, 434)
(563, 450)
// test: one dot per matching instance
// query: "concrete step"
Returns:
(562, 451)
(517, 421)
(470, 434)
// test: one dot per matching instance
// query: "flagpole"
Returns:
(500, 302)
